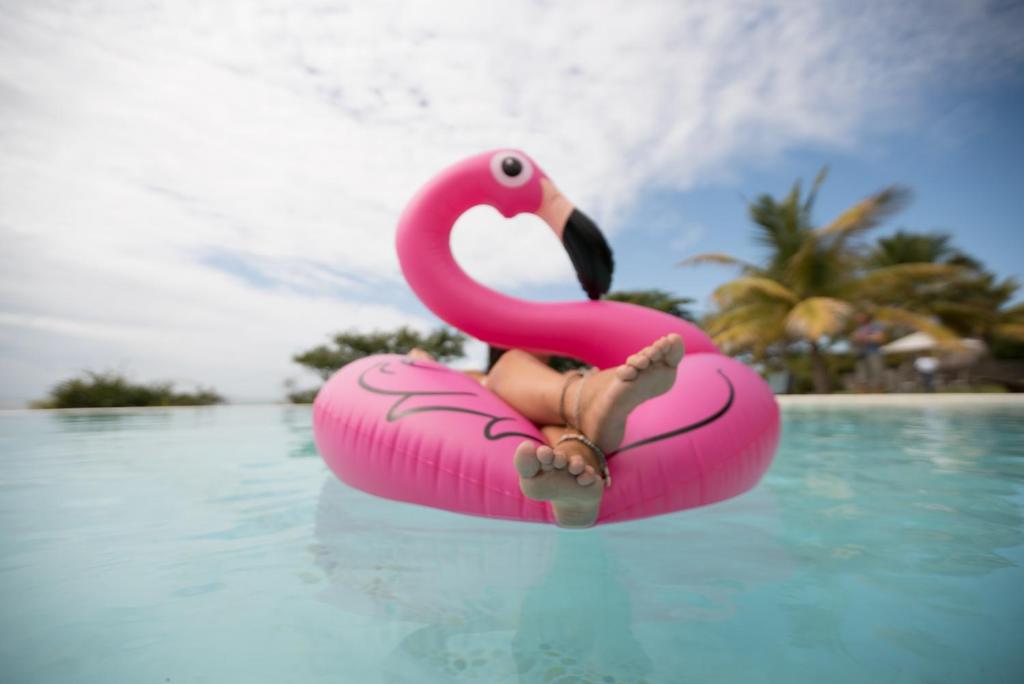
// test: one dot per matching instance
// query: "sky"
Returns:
(196, 191)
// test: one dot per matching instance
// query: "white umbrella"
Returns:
(970, 349)
(915, 342)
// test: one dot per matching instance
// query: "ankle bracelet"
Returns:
(561, 399)
(601, 458)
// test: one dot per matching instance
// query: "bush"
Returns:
(443, 344)
(110, 389)
(305, 396)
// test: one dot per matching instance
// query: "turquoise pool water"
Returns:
(212, 545)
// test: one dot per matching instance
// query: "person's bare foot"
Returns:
(567, 475)
(609, 396)
(562, 478)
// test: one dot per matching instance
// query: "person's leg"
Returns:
(566, 473)
(528, 385)
(598, 402)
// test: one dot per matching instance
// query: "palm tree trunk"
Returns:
(819, 371)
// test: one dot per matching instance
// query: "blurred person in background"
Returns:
(867, 340)
(926, 367)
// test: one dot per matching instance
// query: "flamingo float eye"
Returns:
(511, 169)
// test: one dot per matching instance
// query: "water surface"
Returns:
(212, 545)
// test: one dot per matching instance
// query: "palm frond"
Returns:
(716, 258)
(916, 321)
(812, 196)
(1013, 331)
(900, 275)
(752, 335)
(780, 227)
(766, 313)
(744, 287)
(906, 247)
(816, 270)
(1014, 312)
(867, 213)
(817, 317)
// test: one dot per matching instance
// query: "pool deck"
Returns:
(916, 399)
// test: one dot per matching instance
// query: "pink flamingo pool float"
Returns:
(416, 431)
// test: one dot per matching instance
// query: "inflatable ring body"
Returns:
(419, 432)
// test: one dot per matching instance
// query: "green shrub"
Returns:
(305, 396)
(109, 389)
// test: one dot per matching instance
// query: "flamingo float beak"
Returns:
(588, 250)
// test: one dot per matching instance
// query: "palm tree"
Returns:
(906, 247)
(813, 278)
(979, 306)
(972, 303)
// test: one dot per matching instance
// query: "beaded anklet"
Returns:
(580, 436)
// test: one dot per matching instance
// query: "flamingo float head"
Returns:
(514, 184)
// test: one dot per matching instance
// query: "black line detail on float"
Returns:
(394, 414)
(686, 428)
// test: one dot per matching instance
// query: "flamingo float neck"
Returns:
(600, 333)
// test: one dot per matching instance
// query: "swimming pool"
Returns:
(212, 545)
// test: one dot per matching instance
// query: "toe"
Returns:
(674, 350)
(526, 461)
(587, 477)
(626, 372)
(639, 361)
(561, 460)
(654, 352)
(576, 464)
(546, 457)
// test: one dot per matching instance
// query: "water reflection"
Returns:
(490, 601)
(576, 624)
(111, 421)
(297, 420)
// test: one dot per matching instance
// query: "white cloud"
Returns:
(202, 189)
